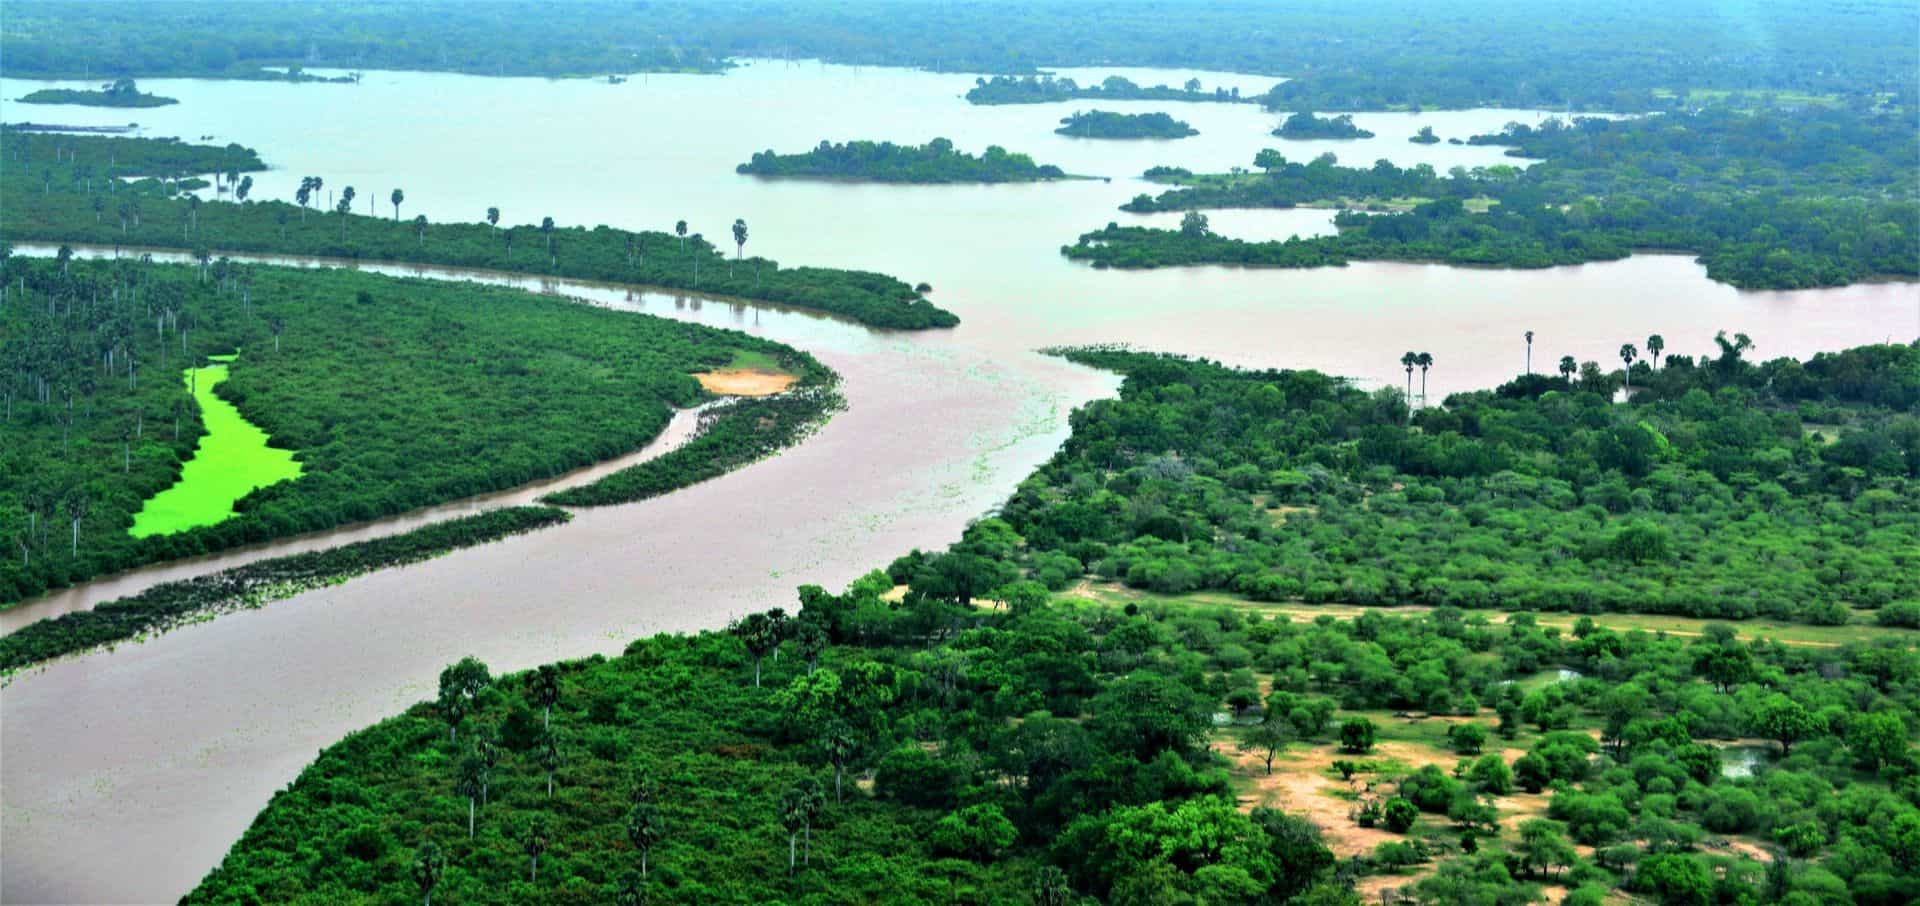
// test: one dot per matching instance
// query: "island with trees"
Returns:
(1602, 189)
(1425, 137)
(936, 161)
(58, 190)
(1046, 88)
(1304, 125)
(1133, 683)
(117, 93)
(1107, 124)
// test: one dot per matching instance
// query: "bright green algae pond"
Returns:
(231, 460)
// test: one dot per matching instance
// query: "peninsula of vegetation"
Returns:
(934, 162)
(1044, 88)
(117, 93)
(59, 190)
(1107, 124)
(1304, 125)
(480, 389)
(1602, 190)
(1133, 684)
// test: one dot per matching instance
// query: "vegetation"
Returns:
(231, 460)
(54, 196)
(1107, 124)
(170, 604)
(1304, 125)
(1045, 88)
(394, 394)
(1629, 55)
(919, 744)
(1767, 201)
(117, 93)
(933, 162)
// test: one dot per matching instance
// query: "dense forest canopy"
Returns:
(58, 191)
(1108, 124)
(1629, 55)
(1769, 199)
(949, 731)
(394, 394)
(934, 162)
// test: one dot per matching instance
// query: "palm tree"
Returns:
(535, 837)
(280, 217)
(1567, 367)
(548, 748)
(1407, 361)
(428, 866)
(76, 504)
(493, 218)
(246, 186)
(1627, 355)
(1655, 345)
(1425, 361)
(317, 184)
(680, 229)
(1529, 352)
(397, 197)
(841, 745)
(739, 238)
(471, 782)
(420, 227)
(278, 327)
(797, 811)
(546, 229)
(644, 830)
(64, 255)
(193, 211)
(304, 195)
(545, 688)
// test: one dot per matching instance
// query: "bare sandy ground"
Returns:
(745, 382)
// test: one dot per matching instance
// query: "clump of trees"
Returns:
(1107, 124)
(934, 162)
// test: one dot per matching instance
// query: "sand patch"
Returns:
(745, 381)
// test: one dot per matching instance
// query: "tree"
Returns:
(548, 748)
(428, 866)
(757, 632)
(1786, 721)
(493, 218)
(1544, 846)
(1269, 160)
(1425, 361)
(397, 197)
(471, 783)
(535, 837)
(1627, 355)
(420, 228)
(544, 688)
(645, 830)
(1467, 739)
(1567, 368)
(1674, 880)
(1656, 344)
(1878, 738)
(1266, 739)
(739, 238)
(797, 810)
(680, 229)
(1050, 887)
(1399, 815)
(1529, 336)
(1357, 735)
(1408, 360)
(459, 684)
(841, 745)
(546, 229)
(245, 188)
(1193, 224)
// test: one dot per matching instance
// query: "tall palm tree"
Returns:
(493, 218)
(1627, 355)
(680, 229)
(739, 238)
(546, 229)
(1567, 367)
(470, 783)
(428, 866)
(1407, 361)
(797, 811)
(1425, 361)
(420, 227)
(1529, 352)
(397, 197)
(1656, 344)
(644, 830)
(535, 837)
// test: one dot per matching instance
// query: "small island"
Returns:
(1045, 88)
(934, 162)
(1305, 125)
(1425, 137)
(1107, 124)
(117, 93)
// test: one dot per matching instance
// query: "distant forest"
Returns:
(1627, 55)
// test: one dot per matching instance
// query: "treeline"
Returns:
(1304, 125)
(93, 159)
(1766, 202)
(171, 604)
(1107, 124)
(395, 394)
(1631, 55)
(731, 434)
(875, 747)
(54, 199)
(1045, 88)
(934, 162)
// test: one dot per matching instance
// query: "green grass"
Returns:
(753, 360)
(231, 461)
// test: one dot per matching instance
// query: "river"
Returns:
(125, 775)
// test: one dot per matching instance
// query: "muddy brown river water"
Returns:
(125, 775)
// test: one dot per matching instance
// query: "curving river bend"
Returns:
(125, 775)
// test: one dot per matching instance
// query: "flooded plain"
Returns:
(126, 774)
